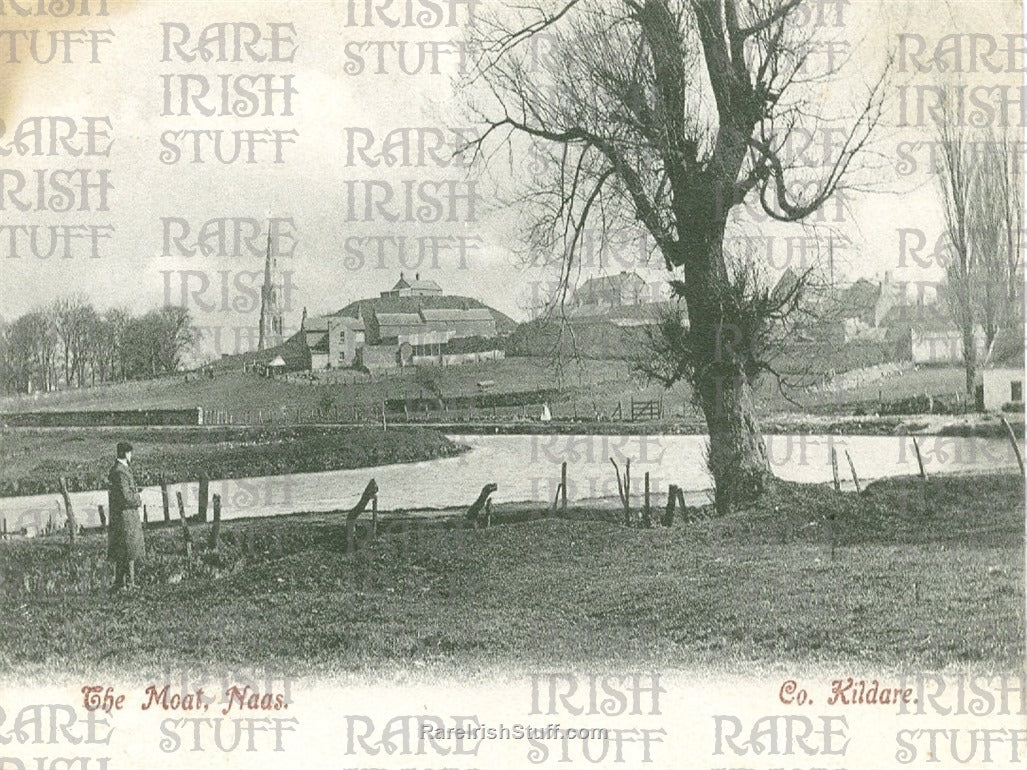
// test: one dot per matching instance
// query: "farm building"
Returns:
(389, 327)
(473, 322)
(388, 340)
(333, 341)
(412, 324)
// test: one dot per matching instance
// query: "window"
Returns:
(1016, 391)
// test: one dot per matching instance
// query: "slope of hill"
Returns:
(594, 340)
(504, 324)
(293, 351)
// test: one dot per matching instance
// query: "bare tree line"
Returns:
(981, 180)
(69, 343)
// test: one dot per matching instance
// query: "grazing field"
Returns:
(915, 577)
(33, 459)
(239, 391)
(587, 387)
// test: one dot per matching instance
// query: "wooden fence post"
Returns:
(187, 538)
(834, 470)
(165, 502)
(563, 488)
(624, 487)
(556, 499)
(919, 459)
(69, 512)
(201, 506)
(370, 493)
(923, 474)
(647, 519)
(374, 516)
(215, 530)
(672, 498)
(627, 491)
(1012, 440)
(852, 467)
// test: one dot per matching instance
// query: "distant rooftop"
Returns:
(398, 319)
(416, 284)
(601, 282)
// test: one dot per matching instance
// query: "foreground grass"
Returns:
(936, 586)
(32, 459)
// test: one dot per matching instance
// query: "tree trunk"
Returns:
(737, 454)
(970, 362)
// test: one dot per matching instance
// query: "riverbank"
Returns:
(982, 425)
(898, 575)
(520, 456)
(33, 459)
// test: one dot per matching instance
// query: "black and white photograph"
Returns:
(562, 384)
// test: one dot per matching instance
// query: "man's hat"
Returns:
(124, 448)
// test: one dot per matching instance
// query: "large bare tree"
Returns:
(667, 115)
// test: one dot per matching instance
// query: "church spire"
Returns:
(271, 325)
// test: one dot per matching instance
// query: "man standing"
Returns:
(125, 535)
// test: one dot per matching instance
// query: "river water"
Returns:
(527, 468)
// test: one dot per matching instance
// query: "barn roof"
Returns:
(860, 297)
(453, 314)
(398, 319)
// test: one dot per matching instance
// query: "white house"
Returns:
(415, 288)
(1003, 382)
(941, 343)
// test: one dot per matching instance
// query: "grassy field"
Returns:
(33, 459)
(588, 385)
(936, 585)
(239, 391)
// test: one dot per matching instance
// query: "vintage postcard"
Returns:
(561, 384)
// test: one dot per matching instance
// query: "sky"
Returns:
(335, 95)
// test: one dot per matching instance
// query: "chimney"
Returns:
(401, 275)
(417, 276)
